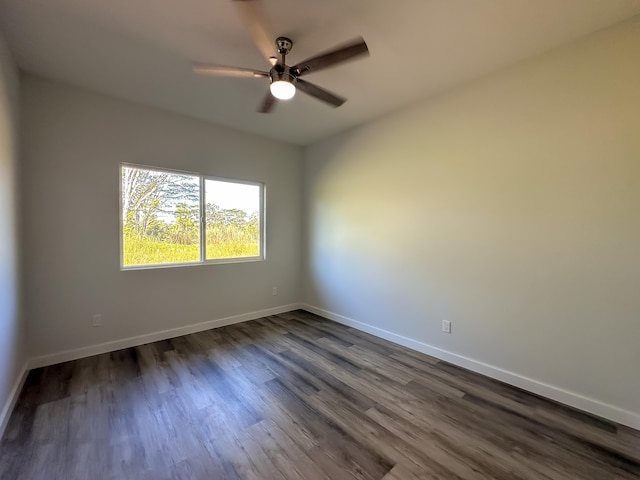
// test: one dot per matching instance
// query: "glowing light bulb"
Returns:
(283, 90)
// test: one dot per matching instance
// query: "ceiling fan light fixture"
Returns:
(282, 83)
(285, 79)
(282, 89)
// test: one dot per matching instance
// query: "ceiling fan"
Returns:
(285, 79)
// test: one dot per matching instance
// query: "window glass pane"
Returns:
(160, 217)
(232, 219)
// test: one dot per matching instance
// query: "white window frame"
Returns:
(203, 227)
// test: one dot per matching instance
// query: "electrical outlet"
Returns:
(274, 291)
(446, 326)
(97, 320)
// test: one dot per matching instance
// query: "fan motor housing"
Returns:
(282, 73)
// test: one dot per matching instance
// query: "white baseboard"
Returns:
(107, 347)
(5, 414)
(576, 400)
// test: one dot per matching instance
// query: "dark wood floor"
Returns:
(295, 396)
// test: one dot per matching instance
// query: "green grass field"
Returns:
(143, 251)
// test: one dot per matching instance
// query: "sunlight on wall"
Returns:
(508, 207)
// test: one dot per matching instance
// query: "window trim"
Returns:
(203, 231)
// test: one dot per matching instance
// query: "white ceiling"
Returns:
(141, 50)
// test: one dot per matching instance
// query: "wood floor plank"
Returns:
(295, 396)
(292, 461)
(374, 436)
(339, 444)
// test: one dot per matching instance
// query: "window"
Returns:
(173, 218)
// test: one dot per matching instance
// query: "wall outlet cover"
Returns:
(446, 326)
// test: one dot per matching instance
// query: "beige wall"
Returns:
(510, 207)
(12, 354)
(73, 143)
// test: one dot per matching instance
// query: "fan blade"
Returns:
(255, 20)
(341, 54)
(205, 69)
(320, 93)
(268, 103)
